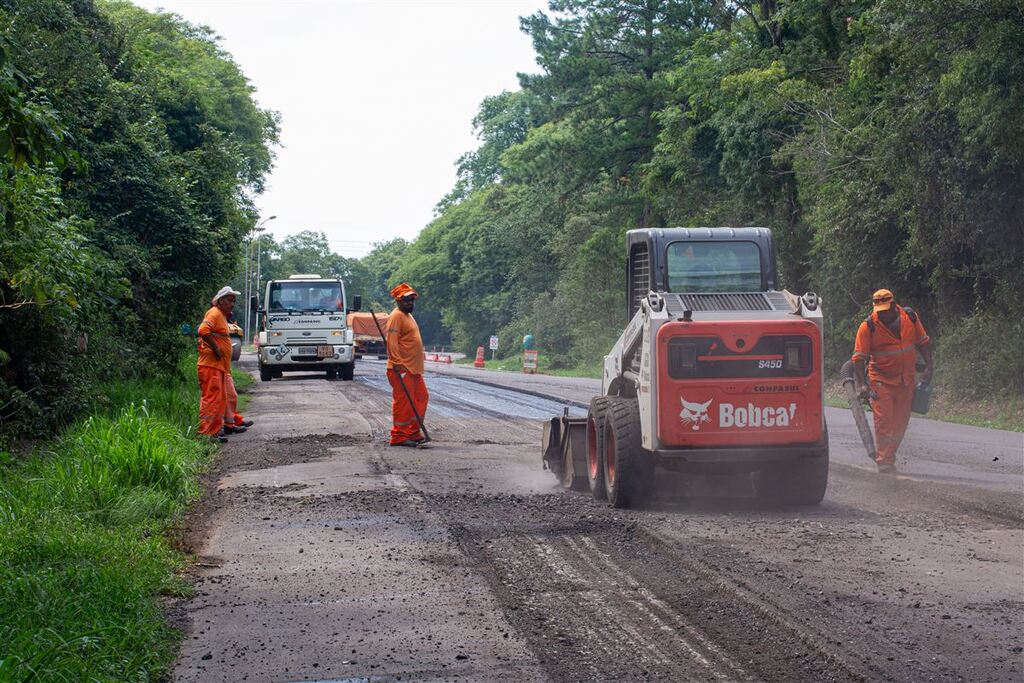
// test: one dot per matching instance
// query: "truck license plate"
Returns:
(305, 351)
(324, 351)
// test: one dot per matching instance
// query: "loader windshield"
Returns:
(307, 296)
(714, 266)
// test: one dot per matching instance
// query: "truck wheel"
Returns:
(624, 470)
(266, 374)
(332, 373)
(595, 447)
(347, 371)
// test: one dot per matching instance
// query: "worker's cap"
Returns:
(881, 300)
(224, 291)
(402, 291)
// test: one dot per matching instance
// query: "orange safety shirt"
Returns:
(892, 359)
(215, 323)
(405, 346)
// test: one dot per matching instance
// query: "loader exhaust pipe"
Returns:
(847, 375)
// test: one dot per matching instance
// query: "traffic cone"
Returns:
(479, 362)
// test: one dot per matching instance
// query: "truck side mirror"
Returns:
(357, 302)
(254, 304)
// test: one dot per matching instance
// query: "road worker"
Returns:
(405, 366)
(234, 423)
(887, 343)
(215, 364)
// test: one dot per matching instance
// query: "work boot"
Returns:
(234, 430)
(408, 443)
(245, 423)
(219, 437)
(886, 468)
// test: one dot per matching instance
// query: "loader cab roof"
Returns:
(698, 260)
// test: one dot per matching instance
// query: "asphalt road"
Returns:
(324, 555)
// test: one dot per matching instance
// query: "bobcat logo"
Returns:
(694, 413)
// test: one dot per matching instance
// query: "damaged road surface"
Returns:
(325, 555)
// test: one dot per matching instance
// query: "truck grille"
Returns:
(322, 339)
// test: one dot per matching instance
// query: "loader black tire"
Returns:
(799, 483)
(266, 374)
(595, 445)
(626, 471)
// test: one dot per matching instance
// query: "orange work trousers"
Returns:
(891, 412)
(404, 424)
(213, 401)
(231, 416)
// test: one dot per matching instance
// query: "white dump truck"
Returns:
(303, 326)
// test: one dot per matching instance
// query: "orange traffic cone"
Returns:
(479, 362)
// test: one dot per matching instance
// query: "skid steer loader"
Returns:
(716, 373)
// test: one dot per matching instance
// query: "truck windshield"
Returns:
(714, 266)
(306, 296)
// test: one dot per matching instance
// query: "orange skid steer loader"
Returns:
(717, 373)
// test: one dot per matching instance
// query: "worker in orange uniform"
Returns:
(215, 364)
(405, 360)
(887, 342)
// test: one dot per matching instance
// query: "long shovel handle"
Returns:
(408, 396)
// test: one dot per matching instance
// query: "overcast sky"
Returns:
(376, 99)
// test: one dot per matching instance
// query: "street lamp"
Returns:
(249, 273)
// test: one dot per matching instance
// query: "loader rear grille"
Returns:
(742, 301)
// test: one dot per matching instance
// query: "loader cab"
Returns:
(698, 260)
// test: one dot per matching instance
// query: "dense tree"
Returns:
(880, 139)
(130, 147)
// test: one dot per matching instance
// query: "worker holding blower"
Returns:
(885, 359)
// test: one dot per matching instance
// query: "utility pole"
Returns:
(251, 289)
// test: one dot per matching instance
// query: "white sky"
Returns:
(376, 100)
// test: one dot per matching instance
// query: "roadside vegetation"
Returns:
(130, 150)
(84, 561)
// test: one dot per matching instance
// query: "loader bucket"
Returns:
(563, 450)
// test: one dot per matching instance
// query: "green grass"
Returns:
(83, 559)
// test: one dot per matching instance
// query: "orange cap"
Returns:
(881, 300)
(402, 290)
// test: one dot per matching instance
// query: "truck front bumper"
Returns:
(285, 357)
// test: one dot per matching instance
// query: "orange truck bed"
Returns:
(362, 325)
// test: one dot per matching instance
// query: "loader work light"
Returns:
(798, 356)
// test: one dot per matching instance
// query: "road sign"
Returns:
(530, 360)
(494, 342)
